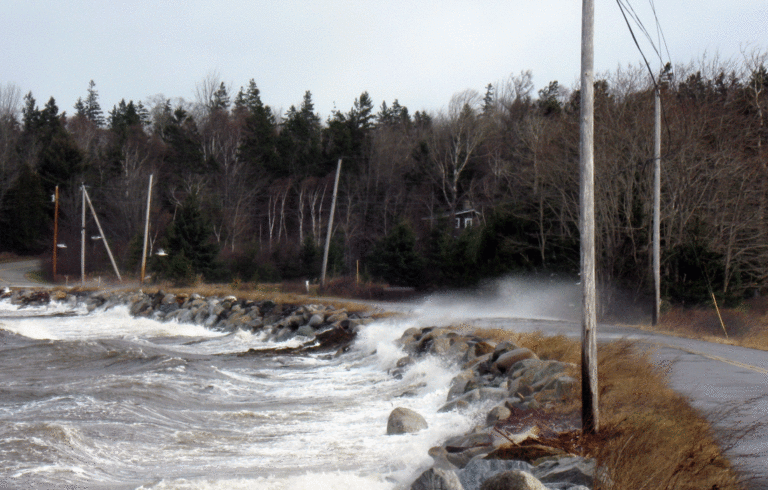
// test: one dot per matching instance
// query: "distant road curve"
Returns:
(14, 274)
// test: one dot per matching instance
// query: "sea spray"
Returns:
(170, 405)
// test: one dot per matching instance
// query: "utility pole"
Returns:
(590, 416)
(330, 224)
(657, 206)
(82, 240)
(55, 231)
(146, 231)
(101, 232)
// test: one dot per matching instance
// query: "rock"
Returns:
(440, 346)
(404, 420)
(503, 347)
(496, 414)
(471, 396)
(337, 317)
(316, 320)
(512, 480)
(510, 358)
(168, 299)
(465, 441)
(477, 471)
(404, 361)
(437, 479)
(570, 469)
(306, 331)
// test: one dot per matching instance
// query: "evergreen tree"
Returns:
(179, 131)
(259, 132)
(394, 258)
(49, 147)
(90, 108)
(548, 99)
(23, 218)
(190, 241)
(221, 98)
(488, 99)
(299, 141)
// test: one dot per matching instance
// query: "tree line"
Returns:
(487, 185)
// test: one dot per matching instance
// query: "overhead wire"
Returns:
(629, 10)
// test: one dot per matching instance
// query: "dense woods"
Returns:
(486, 186)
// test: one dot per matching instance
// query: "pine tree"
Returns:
(259, 136)
(221, 98)
(91, 108)
(189, 240)
(394, 258)
(23, 218)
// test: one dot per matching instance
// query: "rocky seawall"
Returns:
(511, 448)
(515, 447)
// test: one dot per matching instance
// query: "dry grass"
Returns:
(746, 326)
(650, 437)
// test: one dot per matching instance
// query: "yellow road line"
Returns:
(715, 358)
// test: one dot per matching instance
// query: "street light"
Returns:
(61, 245)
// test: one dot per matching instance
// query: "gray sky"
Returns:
(418, 51)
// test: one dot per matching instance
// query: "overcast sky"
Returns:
(418, 51)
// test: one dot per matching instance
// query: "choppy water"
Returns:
(106, 401)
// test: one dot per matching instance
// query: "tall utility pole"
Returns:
(82, 240)
(590, 416)
(55, 230)
(146, 231)
(330, 223)
(657, 206)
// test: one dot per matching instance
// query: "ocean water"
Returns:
(102, 400)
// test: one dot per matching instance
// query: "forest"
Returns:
(486, 186)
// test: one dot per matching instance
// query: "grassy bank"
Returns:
(745, 325)
(650, 437)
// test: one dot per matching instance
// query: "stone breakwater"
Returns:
(508, 449)
(316, 327)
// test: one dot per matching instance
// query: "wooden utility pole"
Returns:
(657, 206)
(82, 240)
(146, 231)
(55, 231)
(590, 417)
(330, 223)
(101, 232)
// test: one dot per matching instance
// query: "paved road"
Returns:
(14, 274)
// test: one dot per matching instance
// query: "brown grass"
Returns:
(746, 325)
(650, 437)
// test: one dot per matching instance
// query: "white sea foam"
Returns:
(264, 423)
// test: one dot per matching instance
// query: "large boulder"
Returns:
(574, 470)
(477, 471)
(437, 479)
(404, 420)
(512, 357)
(512, 480)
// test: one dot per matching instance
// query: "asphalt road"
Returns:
(14, 274)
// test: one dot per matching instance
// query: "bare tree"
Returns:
(453, 143)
